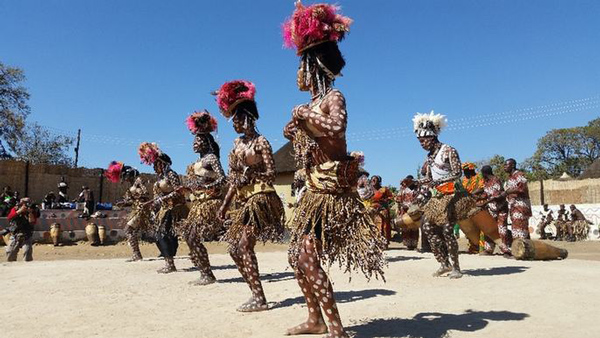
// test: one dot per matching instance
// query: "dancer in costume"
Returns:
(449, 202)
(169, 204)
(407, 197)
(139, 219)
(517, 194)
(205, 181)
(496, 205)
(563, 231)
(331, 223)
(580, 226)
(259, 214)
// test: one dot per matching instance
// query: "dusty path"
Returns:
(111, 298)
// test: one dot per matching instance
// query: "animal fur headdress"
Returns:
(233, 93)
(201, 122)
(314, 24)
(429, 124)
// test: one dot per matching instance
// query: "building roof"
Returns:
(284, 159)
(593, 171)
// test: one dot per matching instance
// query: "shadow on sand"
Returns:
(432, 324)
(403, 259)
(265, 278)
(213, 267)
(497, 271)
(340, 297)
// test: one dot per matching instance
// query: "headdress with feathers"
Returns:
(150, 153)
(233, 93)
(429, 124)
(118, 170)
(469, 166)
(201, 122)
(311, 25)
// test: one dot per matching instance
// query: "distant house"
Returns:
(285, 167)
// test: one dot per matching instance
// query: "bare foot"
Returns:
(455, 274)
(308, 328)
(442, 270)
(166, 270)
(203, 280)
(253, 305)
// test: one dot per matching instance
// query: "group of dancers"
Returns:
(330, 224)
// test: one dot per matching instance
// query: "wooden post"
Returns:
(77, 147)
(26, 194)
(101, 185)
(542, 202)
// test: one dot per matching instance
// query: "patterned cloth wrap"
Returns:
(331, 211)
(260, 209)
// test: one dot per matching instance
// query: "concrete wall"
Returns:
(566, 192)
(44, 178)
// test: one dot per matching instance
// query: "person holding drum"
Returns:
(579, 224)
(407, 197)
(562, 223)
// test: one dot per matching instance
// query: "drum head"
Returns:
(551, 229)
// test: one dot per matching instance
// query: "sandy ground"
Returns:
(110, 298)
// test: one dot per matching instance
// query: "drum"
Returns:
(55, 233)
(102, 234)
(488, 225)
(470, 230)
(527, 249)
(91, 231)
(551, 230)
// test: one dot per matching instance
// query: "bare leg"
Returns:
(437, 247)
(199, 257)
(133, 241)
(318, 292)
(247, 264)
(452, 245)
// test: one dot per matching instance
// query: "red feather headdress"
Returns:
(113, 173)
(314, 24)
(149, 152)
(233, 93)
(201, 122)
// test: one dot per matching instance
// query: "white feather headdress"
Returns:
(429, 124)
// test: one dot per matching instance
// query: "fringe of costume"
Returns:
(262, 213)
(169, 217)
(202, 223)
(450, 208)
(332, 212)
(139, 218)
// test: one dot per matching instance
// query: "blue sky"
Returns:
(504, 72)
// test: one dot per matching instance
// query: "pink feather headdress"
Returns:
(149, 152)
(233, 93)
(314, 24)
(113, 173)
(201, 122)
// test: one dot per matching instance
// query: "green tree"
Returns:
(26, 141)
(40, 146)
(13, 107)
(497, 164)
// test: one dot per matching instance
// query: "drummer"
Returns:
(473, 184)
(406, 197)
(562, 224)
(496, 205)
(579, 224)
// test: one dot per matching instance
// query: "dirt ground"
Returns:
(71, 291)
(588, 250)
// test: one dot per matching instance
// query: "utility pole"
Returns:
(77, 147)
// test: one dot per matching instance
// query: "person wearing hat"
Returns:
(169, 205)
(205, 183)
(449, 202)
(139, 219)
(330, 225)
(63, 188)
(22, 219)
(259, 215)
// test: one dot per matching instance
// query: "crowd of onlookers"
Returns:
(568, 225)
